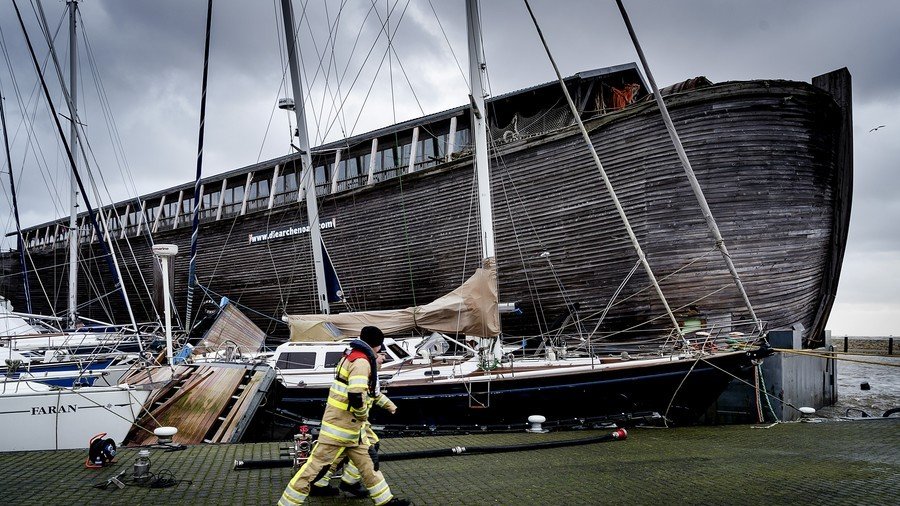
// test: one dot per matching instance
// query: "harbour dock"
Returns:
(834, 462)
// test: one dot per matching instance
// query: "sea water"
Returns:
(881, 373)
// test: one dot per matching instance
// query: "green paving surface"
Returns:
(836, 462)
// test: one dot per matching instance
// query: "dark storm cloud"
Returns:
(150, 57)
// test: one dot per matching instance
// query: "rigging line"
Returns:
(316, 114)
(276, 8)
(473, 195)
(836, 355)
(40, 281)
(762, 383)
(238, 304)
(612, 299)
(663, 278)
(283, 302)
(742, 380)
(519, 248)
(483, 55)
(129, 274)
(133, 422)
(268, 245)
(29, 127)
(686, 165)
(331, 42)
(340, 79)
(679, 308)
(281, 44)
(412, 284)
(402, 69)
(533, 291)
(65, 143)
(90, 269)
(678, 389)
(566, 299)
(140, 272)
(333, 63)
(449, 46)
(113, 265)
(390, 61)
(377, 71)
(227, 239)
(112, 127)
(329, 95)
(106, 110)
(606, 181)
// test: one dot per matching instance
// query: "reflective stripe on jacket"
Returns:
(342, 424)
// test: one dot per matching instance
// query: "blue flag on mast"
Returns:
(332, 283)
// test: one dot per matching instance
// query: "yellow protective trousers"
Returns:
(322, 457)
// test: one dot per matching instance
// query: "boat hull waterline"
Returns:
(558, 393)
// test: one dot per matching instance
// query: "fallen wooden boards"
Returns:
(208, 403)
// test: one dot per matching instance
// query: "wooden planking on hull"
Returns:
(764, 152)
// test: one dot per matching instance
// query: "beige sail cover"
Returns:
(471, 309)
(314, 332)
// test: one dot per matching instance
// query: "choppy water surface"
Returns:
(883, 377)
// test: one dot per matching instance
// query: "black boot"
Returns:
(326, 491)
(398, 501)
(356, 490)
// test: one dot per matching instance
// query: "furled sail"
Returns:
(470, 309)
(332, 282)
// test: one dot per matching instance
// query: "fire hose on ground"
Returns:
(617, 435)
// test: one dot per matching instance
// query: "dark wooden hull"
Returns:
(617, 393)
(766, 153)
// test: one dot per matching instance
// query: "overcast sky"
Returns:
(148, 57)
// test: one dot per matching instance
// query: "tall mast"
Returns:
(107, 246)
(73, 185)
(477, 71)
(195, 220)
(306, 175)
(20, 244)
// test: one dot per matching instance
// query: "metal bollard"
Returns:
(846, 339)
(890, 346)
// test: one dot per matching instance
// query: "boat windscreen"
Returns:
(398, 351)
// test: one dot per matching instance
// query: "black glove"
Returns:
(373, 453)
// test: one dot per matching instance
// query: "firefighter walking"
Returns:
(343, 433)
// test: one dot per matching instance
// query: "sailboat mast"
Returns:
(73, 185)
(477, 71)
(108, 248)
(306, 175)
(195, 219)
(20, 244)
(688, 170)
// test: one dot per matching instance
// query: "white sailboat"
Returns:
(488, 382)
(36, 416)
(40, 416)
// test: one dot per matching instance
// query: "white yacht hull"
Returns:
(34, 416)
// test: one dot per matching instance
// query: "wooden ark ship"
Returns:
(399, 215)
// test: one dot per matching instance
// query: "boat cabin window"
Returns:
(396, 350)
(332, 358)
(297, 360)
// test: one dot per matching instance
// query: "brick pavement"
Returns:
(837, 462)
